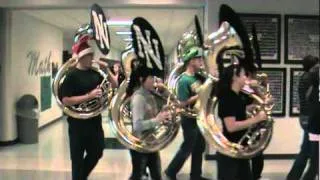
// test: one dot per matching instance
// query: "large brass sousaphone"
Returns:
(97, 30)
(232, 38)
(147, 52)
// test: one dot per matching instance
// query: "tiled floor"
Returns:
(49, 159)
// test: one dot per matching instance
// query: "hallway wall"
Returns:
(32, 48)
(39, 45)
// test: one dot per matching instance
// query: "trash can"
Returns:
(27, 113)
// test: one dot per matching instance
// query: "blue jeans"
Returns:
(301, 159)
(193, 144)
(313, 169)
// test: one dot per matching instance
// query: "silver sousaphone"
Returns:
(147, 51)
(231, 38)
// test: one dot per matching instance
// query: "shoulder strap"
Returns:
(308, 92)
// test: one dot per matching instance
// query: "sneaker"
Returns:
(170, 176)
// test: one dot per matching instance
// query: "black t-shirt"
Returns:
(304, 84)
(79, 82)
(314, 119)
(121, 77)
(232, 104)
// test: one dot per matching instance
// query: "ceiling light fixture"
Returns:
(127, 39)
(123, 32)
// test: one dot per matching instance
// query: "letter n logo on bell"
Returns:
(145, 48)
(101, 31)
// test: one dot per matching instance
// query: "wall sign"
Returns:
(45, 92)
(38, 64)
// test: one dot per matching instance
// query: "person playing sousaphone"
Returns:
(82, 84)
(187, 88)
(234, 104)
(147, 112)
(194, 143)
(146, 115)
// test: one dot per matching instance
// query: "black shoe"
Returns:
(170, 176)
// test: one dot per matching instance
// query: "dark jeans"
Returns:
(233, 169)
(313, 169)
(140, 161)
(194, 144)
(87, 140)
(257, 164)
(301, 159)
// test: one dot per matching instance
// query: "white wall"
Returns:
(287, 132)
(30, 34)
(113, 54)
(67, 44)
(8, 125)
(22, 35)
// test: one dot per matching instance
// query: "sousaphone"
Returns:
(97, 30)
(232, 39)
(147, 51)
(189, 39)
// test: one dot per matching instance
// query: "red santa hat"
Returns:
(82, 48)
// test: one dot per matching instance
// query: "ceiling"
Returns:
(170, 23)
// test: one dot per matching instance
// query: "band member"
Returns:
(86, 137)
(314, 123)
(146, 115)
(304, 84)
(232, 111)
(194, 142)
(257, 162)
(118, 72)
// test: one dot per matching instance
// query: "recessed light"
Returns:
(123, 32)
(128, 39)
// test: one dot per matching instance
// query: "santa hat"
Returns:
(82, 48)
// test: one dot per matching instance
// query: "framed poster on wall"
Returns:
(268, 28)
(45, 93)
(277, 81)
(301, 37)
(295, 73)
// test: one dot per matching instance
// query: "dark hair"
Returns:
(309, 61)
(121, 75)
(225, 78)
(112, 67)
(136, 74)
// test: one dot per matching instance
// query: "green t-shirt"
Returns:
(188, 86)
